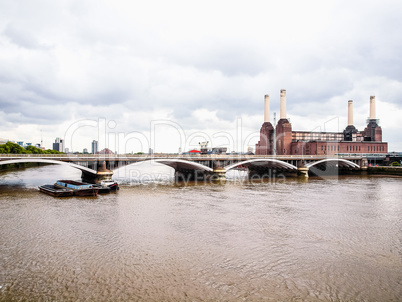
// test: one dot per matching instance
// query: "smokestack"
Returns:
(350, 113)
(372, 107)
(283, 104)
(266, 109)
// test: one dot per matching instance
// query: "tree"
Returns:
(50, 151)
(34, 150)
(11, 148)
(14, 148)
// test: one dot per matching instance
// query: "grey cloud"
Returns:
(231, 58)
(142, 60)
(31, 114)
(21, 36)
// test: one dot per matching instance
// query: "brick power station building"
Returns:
(288, 142)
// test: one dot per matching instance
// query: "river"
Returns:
(333, 239)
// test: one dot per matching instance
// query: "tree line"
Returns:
(12, 148)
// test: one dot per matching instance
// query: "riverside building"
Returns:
(282, 140)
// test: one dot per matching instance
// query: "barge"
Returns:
(78, 188)
(57, 192)
(64, 188)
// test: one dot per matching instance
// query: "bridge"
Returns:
(96, 167)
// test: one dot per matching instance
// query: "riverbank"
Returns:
(385, 170)
(19, 166)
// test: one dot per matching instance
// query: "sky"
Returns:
(166, 75)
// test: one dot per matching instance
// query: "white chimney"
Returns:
(350, 113)
(266, 109)
(372, 107)
(283, 104)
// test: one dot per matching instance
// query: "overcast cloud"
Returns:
(204, 66)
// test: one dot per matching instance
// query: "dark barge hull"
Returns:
(82, 192)
(103, 189)
(86, 192)
(53, 191)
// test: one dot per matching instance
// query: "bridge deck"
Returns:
(95, 165)
(135, 157)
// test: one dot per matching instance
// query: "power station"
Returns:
(281, 140)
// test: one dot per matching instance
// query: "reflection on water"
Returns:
(335, 239)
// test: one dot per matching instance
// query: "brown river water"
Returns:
(332, 239)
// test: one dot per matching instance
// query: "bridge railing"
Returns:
(33, 155)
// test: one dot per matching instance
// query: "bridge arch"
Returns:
(47, 161)
(341, 162)
(261, 162)
(178, 164)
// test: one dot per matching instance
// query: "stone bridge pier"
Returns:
(216, 173)
(102, 173)
(302, 170)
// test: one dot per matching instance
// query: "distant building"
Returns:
(220, 150)
(66, 150)
(150, 151)
(40, 147)
(58, 145)
(282, 140)
(3, 141)
(20, 144)
(106, 151)
(85, 151)
(94, 147)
